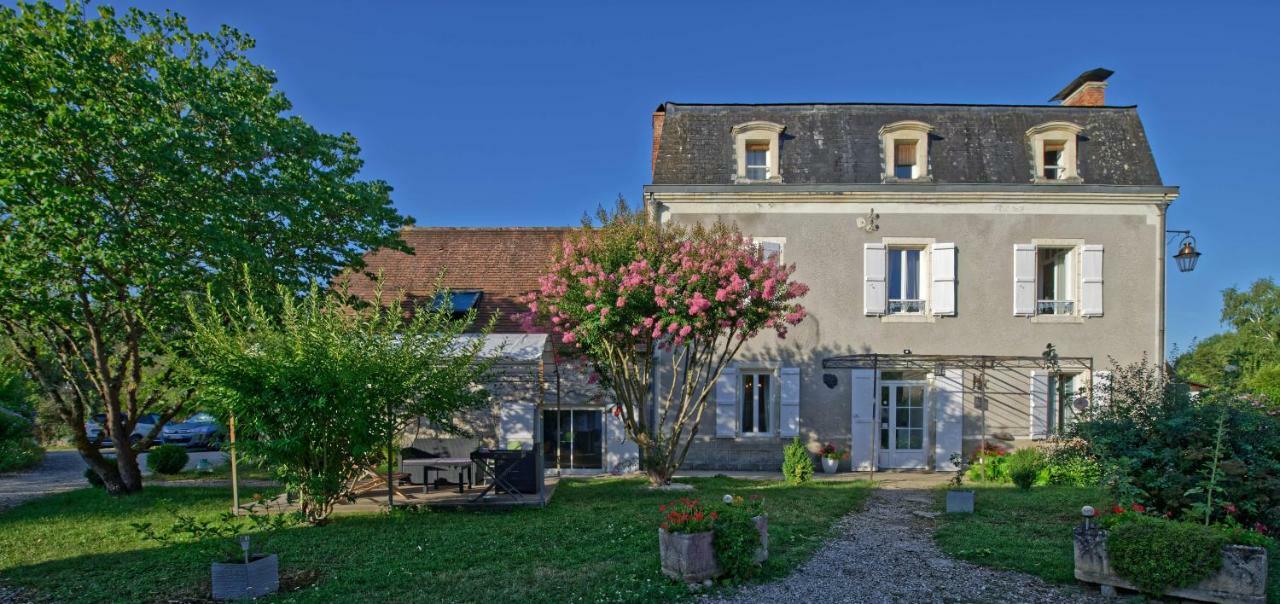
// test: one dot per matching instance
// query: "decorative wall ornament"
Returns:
(870, 222)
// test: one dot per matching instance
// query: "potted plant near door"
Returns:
(240, 569)
(959, 500)
(831, 457)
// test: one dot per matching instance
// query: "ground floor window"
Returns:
(755, 403)
(1063, 413)
(573, 439)
(902, 417)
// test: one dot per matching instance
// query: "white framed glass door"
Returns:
(901, 413)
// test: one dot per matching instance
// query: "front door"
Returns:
(902, 425)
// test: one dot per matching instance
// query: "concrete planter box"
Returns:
(238, 581)
(959, 502)
(691, 557)
(1242, 578)
(830, 466)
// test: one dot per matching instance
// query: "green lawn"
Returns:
(1028, 531)
(1031, 531)
(596, 541)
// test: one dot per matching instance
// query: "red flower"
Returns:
(1260, 528)
(1231, 508)
(1139, 508)
(662, 508)
(1117, 509)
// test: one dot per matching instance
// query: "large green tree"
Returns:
(1248, 356)
(141, 162)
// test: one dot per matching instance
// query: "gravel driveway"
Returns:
(64, 471)
(886, 554)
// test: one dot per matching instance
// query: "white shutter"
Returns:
(727, 403)
(1101, 390)
(789, 422)
(949, 393)
(862, 445)
(1039, 404)
(1024, 279)
(516, 424)
(873, 279)
(943, 300)
(1091, 280)
(622, 453)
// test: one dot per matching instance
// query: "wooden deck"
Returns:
(447, 498)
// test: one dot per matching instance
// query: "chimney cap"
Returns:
(1097, 74)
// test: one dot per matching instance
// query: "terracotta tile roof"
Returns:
(502, 262)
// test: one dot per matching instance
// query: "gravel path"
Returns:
(886, 554)
(64, 471)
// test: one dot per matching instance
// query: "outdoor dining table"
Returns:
(461, 464)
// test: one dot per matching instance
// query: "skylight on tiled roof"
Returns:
(462, 300)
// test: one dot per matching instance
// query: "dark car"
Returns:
(200, 430)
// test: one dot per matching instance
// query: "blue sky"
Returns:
(529, 113)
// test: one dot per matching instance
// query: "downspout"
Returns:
(1160, 279)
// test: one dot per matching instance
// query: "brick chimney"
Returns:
(659, 117)
(1089, 89)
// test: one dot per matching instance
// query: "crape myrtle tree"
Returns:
(636, 297)
(141, 162)
(322, 389)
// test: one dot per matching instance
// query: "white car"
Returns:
(97, 432)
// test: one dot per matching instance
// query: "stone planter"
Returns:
(959, 502)
(688, 557)
(830, 466)
(239, 581)
(691, 557)
(1242, 578)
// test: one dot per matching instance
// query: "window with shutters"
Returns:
(757, 161)
(755, 394)
(1054, 153)
(905, 146)
(1055, 281)
(906, 281)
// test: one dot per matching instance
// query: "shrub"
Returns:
(797, 466)
(737, 539)
(1158, 446)
(1157, 554)
(1069, 463)
(18, 448)
(989, 465)
(1025, 466)
(167, 459)
(95, 481)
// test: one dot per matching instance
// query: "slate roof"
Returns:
(840, 143)
(502, 262)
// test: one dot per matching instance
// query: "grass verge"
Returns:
(597, 542)
(1030, 531)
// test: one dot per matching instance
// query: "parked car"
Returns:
(199, 430)
(96, 429)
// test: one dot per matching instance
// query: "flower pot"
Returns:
(688, 557)
(762, 525)
(240, 581)
(959, 502)
(1242, 578)
(830, 466)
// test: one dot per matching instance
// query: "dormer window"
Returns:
(906, 151)
(1054, 152)
(904, 159)
(756, 150)
(757, 161)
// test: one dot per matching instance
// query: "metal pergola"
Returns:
(988, 370)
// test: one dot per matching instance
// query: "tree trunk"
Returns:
(120, 478)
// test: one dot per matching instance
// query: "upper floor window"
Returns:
(757, 147)
(758, 161)
(906, 285)
(905, 147)
(1054, 152)
(1055, 281)
(770, 247)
